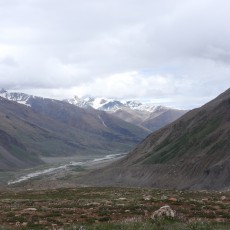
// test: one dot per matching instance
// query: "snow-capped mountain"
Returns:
(96, 103)
(21, 98)
(113, 105)
(149, 116)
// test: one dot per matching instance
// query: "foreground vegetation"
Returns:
(112, 208)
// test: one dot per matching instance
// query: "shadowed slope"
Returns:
(14, 154)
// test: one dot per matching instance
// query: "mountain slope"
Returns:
(157, 120)
(54, 128)
(191, 153)
(11, 152)
(87, 120)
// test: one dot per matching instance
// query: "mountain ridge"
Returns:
(148, 116)
(106, 104)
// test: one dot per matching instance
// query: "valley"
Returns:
(52, 128)
(58, 170)
(114, 115)
(106, 182)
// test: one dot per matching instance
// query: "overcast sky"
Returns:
(172, 52)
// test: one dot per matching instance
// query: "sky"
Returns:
(170, 52)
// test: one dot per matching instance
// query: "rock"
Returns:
(172, 199)
(24, 224)
(108, 202)
(163, 212)
(81, 228)
(147, 197)
(163, 197)
(146, 213)
(223, 197)
(44, 222)
(220, 220)
(54, 227)
(121, 205)
(93, 204)
(122, 198)
(30, 209)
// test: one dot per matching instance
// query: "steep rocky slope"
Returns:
(191, 153)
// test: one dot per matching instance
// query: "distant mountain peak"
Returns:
(133, 103)
(3, 91)
(77, 98)
(113, 104)
(148, 116)
(21, 98)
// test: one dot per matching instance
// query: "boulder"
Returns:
(164, 211)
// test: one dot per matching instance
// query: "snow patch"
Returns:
(112, 105)
(20, 98)
(102, 121)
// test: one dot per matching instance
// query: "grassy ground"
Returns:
(112, 208)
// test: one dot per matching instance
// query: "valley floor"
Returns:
(112, 208)
(55, 201)
(56, 173)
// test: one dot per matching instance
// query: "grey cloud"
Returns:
(8, 61)
(53, 44)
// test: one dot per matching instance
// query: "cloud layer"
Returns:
(174, 52)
